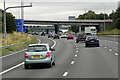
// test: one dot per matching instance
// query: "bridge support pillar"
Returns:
(79, 28)
(56, 28)
(46, 31)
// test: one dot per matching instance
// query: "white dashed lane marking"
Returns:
(65, 74)
(105, 47)
(72, 62)
(116, 54)
(77, 51)
(75, 55)
(110, 50)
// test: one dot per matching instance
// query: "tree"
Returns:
(10, 23)
(111, 16)
(117, 18)
(118, 23)
(91, 15)
(1, 23)
(74, 28)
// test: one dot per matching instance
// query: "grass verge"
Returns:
(110, 32)
(20, 46)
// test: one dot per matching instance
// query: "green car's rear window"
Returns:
(37, 48)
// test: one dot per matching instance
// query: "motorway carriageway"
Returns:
(72, 61)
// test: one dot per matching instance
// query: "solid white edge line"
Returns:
(54, 43)
(72, 62)
(5, 71)
(65, 74)
(13, 53)
(17, 51)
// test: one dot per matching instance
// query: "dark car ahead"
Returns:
(36, 33)
(56, 36)
(33, 33)
(42, 34)
(92, 40)
(81, 37)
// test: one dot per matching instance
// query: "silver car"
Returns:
(39, 54)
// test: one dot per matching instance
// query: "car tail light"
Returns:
(88, 40)
(97, 40)
(48, 54)
(26, 56)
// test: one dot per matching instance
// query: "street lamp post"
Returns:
(4, 24)
(85, 14)
(104, 21)
(22, 15)
(119, 4)
(4, 21)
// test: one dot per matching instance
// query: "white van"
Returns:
(90, 30)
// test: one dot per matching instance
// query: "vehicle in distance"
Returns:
(50, 35)
(36, 33)
(92, 41)
(39, 54)
(70, 36)
(33, 33)
(42, 34)
(55, 36)
(63, 36)
(80, 37)
(90, 30)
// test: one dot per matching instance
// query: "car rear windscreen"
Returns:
(90, 38)
(37, 48)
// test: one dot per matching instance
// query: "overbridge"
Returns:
(100, 24)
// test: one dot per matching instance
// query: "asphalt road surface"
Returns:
(72, 61)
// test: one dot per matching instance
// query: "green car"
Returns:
(39, 54)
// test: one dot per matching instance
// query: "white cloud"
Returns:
(60, 11)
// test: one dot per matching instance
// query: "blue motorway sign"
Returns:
(19, 25)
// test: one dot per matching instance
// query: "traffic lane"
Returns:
(64, 53)
(93, 62)
(44, 39)
(15, 59)
(110, 45)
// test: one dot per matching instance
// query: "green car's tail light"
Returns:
(48, 54)
(26, 56)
